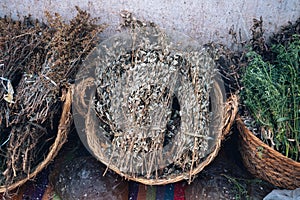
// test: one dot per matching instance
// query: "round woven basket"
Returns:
(128, 94)
(266, 163)
(94, 143)
(61, 137)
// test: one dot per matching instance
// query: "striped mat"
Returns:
(167, 192)
(40, 190)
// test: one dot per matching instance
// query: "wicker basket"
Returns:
(61, 137)
(94, 143)
(144, 151)
(266, 163)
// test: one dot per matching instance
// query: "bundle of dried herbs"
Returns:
(271, 90)
(155, 115)
(229, 63)
(37, 61)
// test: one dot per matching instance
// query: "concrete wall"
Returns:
(203, 20)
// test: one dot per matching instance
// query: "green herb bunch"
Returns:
(272, 95)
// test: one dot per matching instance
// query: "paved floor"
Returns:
(75, 174)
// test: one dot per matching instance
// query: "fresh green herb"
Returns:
(272, 94)
(240, 186)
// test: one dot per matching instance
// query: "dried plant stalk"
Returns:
(149, 112)
(39, 60)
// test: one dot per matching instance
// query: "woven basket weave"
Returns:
(266, 163)
(124, 91)
(61, 137)
(125, 95)
(93, 142)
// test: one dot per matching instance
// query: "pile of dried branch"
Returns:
(37, 64)
(152, 106)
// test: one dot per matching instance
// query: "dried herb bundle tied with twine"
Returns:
(151, 105)
(37, 63)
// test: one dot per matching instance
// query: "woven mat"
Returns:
(168, 192)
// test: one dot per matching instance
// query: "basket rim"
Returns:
(279, 155)
(230, 111)
(63, 127)
(264, 162)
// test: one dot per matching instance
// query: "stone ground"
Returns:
(75, 174)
